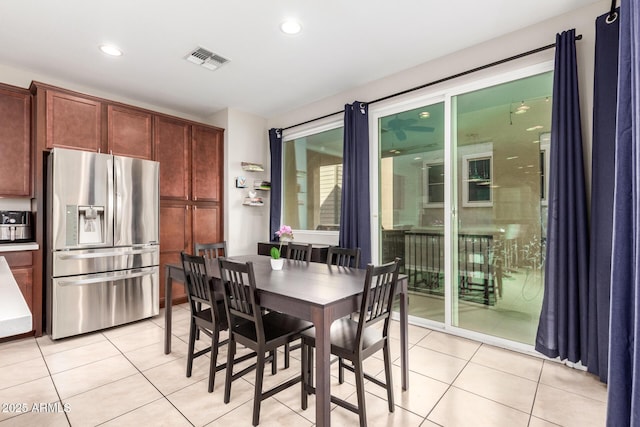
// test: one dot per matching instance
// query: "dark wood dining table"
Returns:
(310, 291)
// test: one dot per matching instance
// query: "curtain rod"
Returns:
(435, 82)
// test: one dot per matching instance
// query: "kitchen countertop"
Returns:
(15, 317)
(14, 247)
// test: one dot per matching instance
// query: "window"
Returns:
(434, 184)
(545, 141)
(477, 177)
(312, 179)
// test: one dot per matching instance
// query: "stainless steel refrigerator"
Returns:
(102, 241)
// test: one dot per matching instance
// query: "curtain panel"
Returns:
(562, 328)
(275, 207)
(355, 216)
(623, 407)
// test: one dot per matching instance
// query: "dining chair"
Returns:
(296, 252)
(357, 340)
(343, 257)
(207, 315)
(210, 250)
(299, 251)
(256, 330)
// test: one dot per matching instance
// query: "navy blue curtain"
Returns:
(275, 211)
(623, 407)
(563, 320)
(355, 218)
(602, 187)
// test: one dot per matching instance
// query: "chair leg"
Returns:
(388, 378)
(257, 394)
(274, 361)
(340, 370)
(214, 359)
(231, 350)
(287, 352)
(192, 343)
(305, 377)
(362, 411)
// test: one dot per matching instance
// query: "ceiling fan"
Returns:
(400, 126)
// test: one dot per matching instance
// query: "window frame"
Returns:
(426, 184)
(545, 148)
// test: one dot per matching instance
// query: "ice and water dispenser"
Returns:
(85, 225)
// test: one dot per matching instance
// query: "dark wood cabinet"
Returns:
(129, 132)
(206, 224)
(206, 155)
(175, 237)
(21, 266)
(15, 142)
(73, 121)
(173, 140)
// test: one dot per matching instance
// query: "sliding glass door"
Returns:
(462, 201)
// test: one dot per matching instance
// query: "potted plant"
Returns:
(285, 234)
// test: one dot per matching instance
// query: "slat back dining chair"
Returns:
(357, 340)
(251, 327)
(207, 314)
(210, 250)
(299, 251)
(343, 257)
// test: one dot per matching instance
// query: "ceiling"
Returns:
(342, 45)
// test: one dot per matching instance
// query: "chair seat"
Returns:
(205, 315)
(278, 327)
(343, 338)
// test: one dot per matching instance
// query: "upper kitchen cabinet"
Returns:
(172, 141)
(73, 121)
(207, 161)
(15, 142)
(129, 132)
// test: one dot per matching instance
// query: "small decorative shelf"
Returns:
(255, 201)
(252, 167)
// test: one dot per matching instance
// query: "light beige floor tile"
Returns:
(537, 422)
(26, 395)
(272, 414)
(129, 328)
(420, 398)
(171, 376)
(22, 372)
(394, 346)
(159, 413)
(18, 351)
(86, 377)
(150, 334)
(39, 419)
(153, 355)
(449, 344)
(573, 381)
(415, 333)
(568, 409)
(508, 389)
(110, 401)
(69, 359)
(201, 407)
(433, 364)
(463, 409)
(49, 346)
(377, 414)
(511, 362)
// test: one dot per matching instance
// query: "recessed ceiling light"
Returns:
(532, 128)
(424, 115)
(110, 50)
(512, 157)
(291, 26)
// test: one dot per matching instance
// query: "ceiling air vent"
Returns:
(206, 59)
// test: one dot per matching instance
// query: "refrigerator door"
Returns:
(91, 302)
(87, 261)
(137, 201)
(81, 199)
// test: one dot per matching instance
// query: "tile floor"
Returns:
(121, 377)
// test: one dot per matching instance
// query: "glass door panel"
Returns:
(501, 139)
(412, 195)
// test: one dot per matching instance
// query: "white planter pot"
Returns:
(276, 264)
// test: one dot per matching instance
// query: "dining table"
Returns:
(316, 292)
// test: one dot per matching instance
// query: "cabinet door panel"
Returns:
(73, 122)
(172, 146)
(207, 161)
(24, 278)
(129, 132)
(15, 144)
(175, 226)
(206, 224)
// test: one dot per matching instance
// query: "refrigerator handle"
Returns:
(103, 279)
(108, 254)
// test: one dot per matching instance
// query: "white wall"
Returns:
(245, 140)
